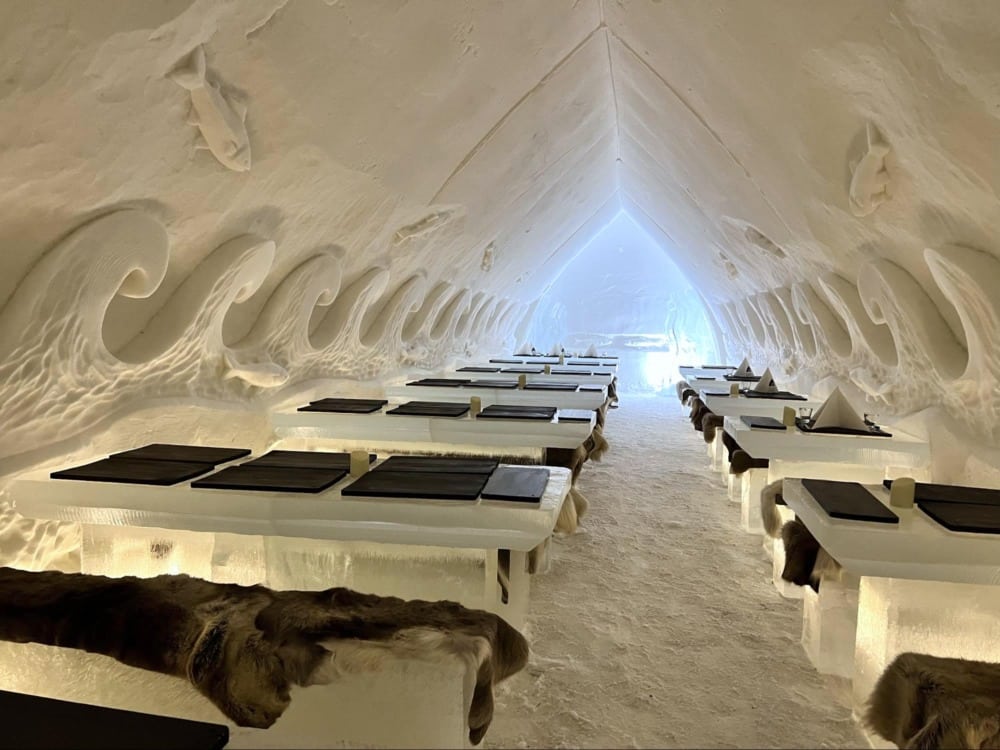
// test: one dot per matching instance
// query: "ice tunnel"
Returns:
(466, 255)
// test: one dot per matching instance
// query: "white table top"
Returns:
(482, 524)
(915, 548)
(728, 406)
(606, 365)
(900, 450)
(601, 378)
(381, 428)
(489, 396)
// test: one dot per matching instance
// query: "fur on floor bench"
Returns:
(243, 647)
(924, 702)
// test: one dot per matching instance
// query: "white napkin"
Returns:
(525, 350)
(556, 350)
(744, 368)
(837, 411)
(766, 383)
(591, 351)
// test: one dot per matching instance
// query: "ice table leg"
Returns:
(754, 481)
(829, 622)
(427, 702)
(118, 551)
(735, 482)
(959, 620)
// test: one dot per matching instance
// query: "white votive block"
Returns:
(957, 620)
(829, 622)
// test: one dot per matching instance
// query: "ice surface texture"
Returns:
(244, 647)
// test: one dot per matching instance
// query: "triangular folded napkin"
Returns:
(556, 350)
(744, 368)
(591, 351)
(766, 383)
(525, 350)
(837, 411)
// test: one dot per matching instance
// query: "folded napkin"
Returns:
(766, 383)
(744, 369)
(591, 351)
(837, 411)
(556, 350)
(525, 350)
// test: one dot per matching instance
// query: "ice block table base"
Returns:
(829, 622)
(427, 702)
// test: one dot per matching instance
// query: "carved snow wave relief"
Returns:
(886, 334)
(60, 380)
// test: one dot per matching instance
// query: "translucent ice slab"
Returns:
(741, 406)
(428, 703)
(488, 396)
(931, 617)
(829, 621)
(389, 432)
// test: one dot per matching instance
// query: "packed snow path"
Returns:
(657, 625)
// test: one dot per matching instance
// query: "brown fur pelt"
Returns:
(599, 445)
(698, 412)
(927, 702)
(243, 647)
(687, 395)
(806, 562)
(682, 385)
(710, 423)
(741, 461)
(769, 510)
(730, 444)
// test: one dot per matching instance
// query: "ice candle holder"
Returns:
(902, 492)
(359, 463)
(734, 389)
(788, 416)
(475, 405)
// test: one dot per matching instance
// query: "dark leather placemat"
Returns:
(508, 361)
(719, 394)
(570, 371)
(743, 378)
(34, 723)
(575, 415)
(519, 484)
(431, 409)
(848, 500)
(306, 460)
(417, 484)
(346, 405)
(135, 471)
(716, 367)
(786, 395)
(439, 464)
(198, 454)
(952, 493)
(592, 388)
(440, 382)
(806, 427)
(271, 479)
(763, 423)
(487, 383)
(977, 519)
(524, 370)
(505, 411)
(478, 369)
(551, 386)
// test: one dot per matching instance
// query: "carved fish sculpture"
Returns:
(870, 180)
(221, 121)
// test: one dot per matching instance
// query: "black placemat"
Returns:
(431, 409)
(508, 361)
(506, 411)
(786, 395)
(763, 423)
(551, 386)
(570, 371)
(478, 369)
(518, 484)
(198, 454)
(418, 484)
(440, 464)
(971, 517)
(271, 479)
(135, 471)
(716, 367)
(952, 493)
(488, 383)
(592, 388)
(805, 425)
(34, 723)
(575, 415)
(524, 370)
(346, 405)
(720, 394)
(306, 460)
(743, 378)
(440, 382)
(848, 500)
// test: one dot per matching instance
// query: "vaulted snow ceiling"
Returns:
(447, 158)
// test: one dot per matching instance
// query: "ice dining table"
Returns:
(386, 430)
(571, 363)
(506, 391)
(583, 374)
(689, 372)
(924, 578)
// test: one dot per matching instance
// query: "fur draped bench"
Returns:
(244, 647)
(924, 702)
(806, 562)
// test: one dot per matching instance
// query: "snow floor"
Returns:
(657, 625)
